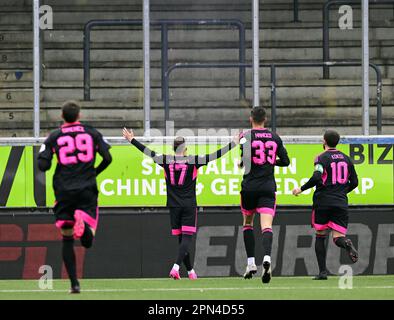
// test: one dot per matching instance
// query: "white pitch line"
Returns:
(194, 289)
(291, 278)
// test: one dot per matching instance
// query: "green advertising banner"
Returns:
(17, 177)
(134, 180)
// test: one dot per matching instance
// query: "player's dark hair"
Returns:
(70, 111)
(331, 137)
(258, 114)
(179, 144)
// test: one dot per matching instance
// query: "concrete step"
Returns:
(283, 44)
(193, 55)
(108, 66)
(205, 106)
(15, 27)
(95, 3)
(126, 73)
(112, 128)
(202, 34)
(20, 5)
(286, 115)
(320, 92)
(173, 4)
(288, 131)
(195, 83)
(109, 117)
(136, 74)
(274, 14)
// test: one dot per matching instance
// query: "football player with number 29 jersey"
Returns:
(334, 177)
(262, 150)
(74, 182)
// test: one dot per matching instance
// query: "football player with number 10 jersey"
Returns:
(334, 177)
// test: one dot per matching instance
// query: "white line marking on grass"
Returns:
(193, 289)
(371, 277)
(238, 278)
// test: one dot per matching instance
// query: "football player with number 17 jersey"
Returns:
(180, 172)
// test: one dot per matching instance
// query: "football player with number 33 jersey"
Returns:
(262, 150)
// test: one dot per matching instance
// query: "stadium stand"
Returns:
(200, 98)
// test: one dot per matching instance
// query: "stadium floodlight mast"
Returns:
(37, 76)
(256, 53)
(365, 65)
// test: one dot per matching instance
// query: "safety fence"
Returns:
(272, 67)
(164, 26)
(326, 26)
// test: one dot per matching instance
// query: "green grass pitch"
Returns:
(364, 287)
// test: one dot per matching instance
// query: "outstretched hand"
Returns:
(128, 134)
(297, 191)
(236, 138)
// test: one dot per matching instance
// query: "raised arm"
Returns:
(219, 153)
(203, 160)
(129, 135)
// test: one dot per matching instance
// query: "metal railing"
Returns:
(348, 139)
(273, 68)
(164, 24)
(326, 26)
(295, 11)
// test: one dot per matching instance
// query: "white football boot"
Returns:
(266, 276)
(251, 269)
